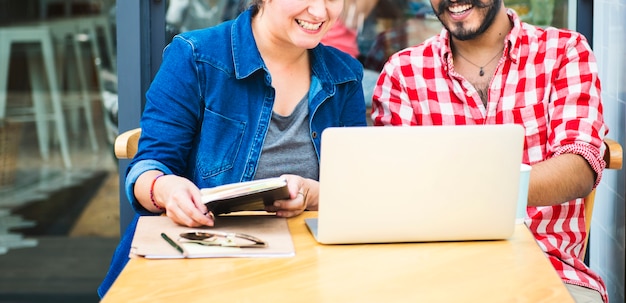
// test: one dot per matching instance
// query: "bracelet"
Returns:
(152, 192)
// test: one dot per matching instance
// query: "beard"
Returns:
(461, 32)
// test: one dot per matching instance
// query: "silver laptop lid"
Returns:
(411, 184)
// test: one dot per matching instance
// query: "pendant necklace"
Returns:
(481, 72)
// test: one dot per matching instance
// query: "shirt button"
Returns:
(314, 135)
(469, 94)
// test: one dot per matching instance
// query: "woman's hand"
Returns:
(303, 195)
(183, 203)
(178, 196)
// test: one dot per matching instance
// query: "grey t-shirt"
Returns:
(288, 148)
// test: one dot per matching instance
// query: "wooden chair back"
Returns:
(126, 143)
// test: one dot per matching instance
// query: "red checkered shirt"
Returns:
(547, 81)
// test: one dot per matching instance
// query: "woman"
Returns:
(244, 100)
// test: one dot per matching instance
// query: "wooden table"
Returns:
(515, 270)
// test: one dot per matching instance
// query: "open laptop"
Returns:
(418, 184)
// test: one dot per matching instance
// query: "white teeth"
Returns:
(457, 9)
(309, 26)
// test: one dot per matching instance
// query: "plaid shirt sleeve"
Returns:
(576, 120)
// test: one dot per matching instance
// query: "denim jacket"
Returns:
(209, 108)
(221, 98)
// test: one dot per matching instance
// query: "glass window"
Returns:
(59, 200)
(385, 27)
(185, 15)
(541, 12)
(369, 30)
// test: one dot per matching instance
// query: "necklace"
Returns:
(481, 72)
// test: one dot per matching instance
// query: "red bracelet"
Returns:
(152, 192)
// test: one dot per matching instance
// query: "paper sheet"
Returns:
(148, 242)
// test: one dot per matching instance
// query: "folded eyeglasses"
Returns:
(224, 239)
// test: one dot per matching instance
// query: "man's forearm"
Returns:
(560, 179)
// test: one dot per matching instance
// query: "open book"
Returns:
(244, 196)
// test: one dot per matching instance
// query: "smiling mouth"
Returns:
(308, 25)
(459, 9)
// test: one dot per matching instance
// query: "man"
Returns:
(487, 67)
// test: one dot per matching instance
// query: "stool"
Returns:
(103, 23)
(64, 31)
(89, 26)
(36, 34)
(106, 78)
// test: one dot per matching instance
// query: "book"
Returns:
(148, 241)
(244, 196)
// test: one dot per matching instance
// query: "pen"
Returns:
(174, 244)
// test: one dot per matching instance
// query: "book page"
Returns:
(241, 189)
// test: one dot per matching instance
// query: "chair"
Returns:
(126, 148)
(126, 143)
(613, 157)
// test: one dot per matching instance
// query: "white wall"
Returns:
(607, 227)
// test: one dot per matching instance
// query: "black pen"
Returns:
(174, 244)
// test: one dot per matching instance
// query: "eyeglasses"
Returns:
(225, 239)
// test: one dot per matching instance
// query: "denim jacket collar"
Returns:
(246, 63)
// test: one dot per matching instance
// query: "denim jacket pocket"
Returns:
(218, 153)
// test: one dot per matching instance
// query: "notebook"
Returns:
(418, 184)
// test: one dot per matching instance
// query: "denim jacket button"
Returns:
(314, 135)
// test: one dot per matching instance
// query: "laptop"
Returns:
(418, 184)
